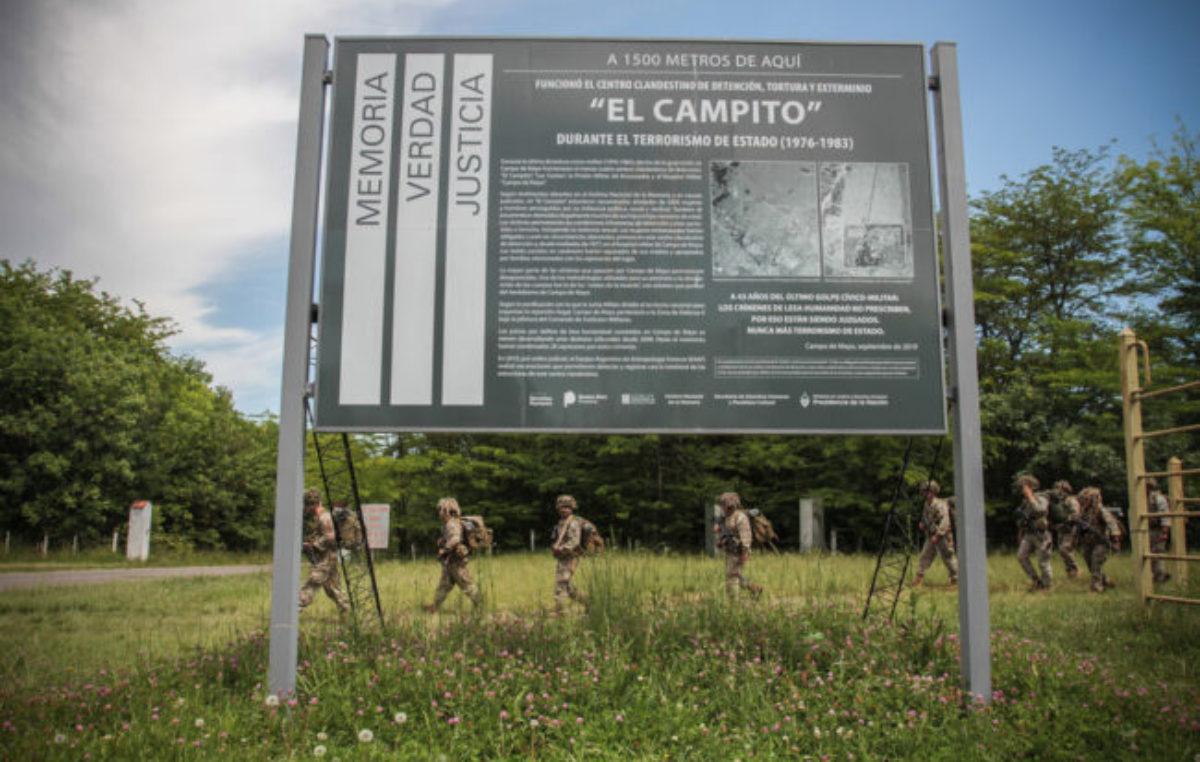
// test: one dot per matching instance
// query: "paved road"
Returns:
(21, 580)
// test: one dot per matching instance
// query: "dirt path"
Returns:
(23, 580)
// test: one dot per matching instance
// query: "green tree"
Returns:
(95, 412)
(1161, 207)
(74, 370)
(1045, 250)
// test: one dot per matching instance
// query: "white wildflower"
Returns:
(366, 736)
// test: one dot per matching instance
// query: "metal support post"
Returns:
(974, 631)
(285, 586)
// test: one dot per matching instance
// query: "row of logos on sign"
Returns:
(804, 399)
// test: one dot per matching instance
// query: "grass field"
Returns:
(659, 667)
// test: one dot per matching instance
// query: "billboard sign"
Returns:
(629, 235)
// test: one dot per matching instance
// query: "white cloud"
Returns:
(151, 145)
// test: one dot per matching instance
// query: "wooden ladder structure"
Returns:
(1133, 395)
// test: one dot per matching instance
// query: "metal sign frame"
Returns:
(959, 313)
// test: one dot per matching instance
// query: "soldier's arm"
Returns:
(745, 536)
(1072, 507)
(326, 539)
(451, 536)
(1036, 508)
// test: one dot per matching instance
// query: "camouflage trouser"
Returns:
(1068, 538)
(564, 570)
(944, 547)
(324, 574)
(1036, 542)
(1095, 555)
(455, 572)
(1158, 544)
(734, 578)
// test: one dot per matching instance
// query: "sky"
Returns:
(150, 145)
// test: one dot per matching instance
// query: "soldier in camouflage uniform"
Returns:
(1066, 516)
(321, 548)
(566, 548)
(1034, 525)
(735, 538)
(454, 554)
(1160, 529)
(1099, 533)
(937, 524)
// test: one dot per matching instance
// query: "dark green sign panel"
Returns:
(629, 235)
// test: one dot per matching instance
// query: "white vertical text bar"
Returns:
(417, 230)
(466, 232)
(360, 379)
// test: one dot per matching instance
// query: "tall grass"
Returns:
(659, 666)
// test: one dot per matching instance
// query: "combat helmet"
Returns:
(565, 501)
(1026, 480)
(449, 506)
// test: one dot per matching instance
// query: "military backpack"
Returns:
(349, 530)
(761, 528)
(476, 534)
(590, 541)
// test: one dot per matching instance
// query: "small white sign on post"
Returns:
(137, 546)
(376, 516)
(812, 525)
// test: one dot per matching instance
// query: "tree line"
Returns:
(96, 412)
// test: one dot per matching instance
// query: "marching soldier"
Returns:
(1065, 508)
(735, 538)
(937, 523)
(1160, 529)
(454, 555)
(566, 548)
(321, 548)
(1099, 533)
(1034, 526)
